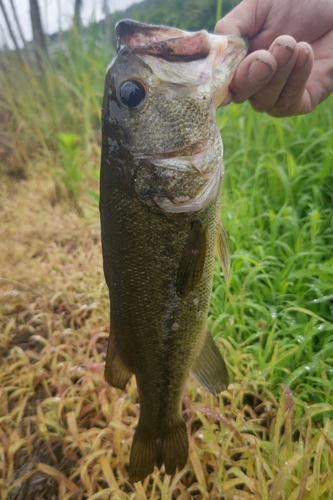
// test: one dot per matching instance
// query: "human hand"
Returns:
(282, 75)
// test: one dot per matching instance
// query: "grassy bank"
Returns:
(64, 433)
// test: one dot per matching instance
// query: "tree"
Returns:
(77, 13)
(18, 24)
(3, 39)
(107, 22)
(106, 7)
(37, 30)
(9, 27)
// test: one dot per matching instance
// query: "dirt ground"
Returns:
(51, 288)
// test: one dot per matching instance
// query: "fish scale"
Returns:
(175, 125)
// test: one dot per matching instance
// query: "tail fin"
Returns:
(170, 449)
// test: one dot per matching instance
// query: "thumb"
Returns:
(245, 20)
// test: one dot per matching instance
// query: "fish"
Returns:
(160, 185)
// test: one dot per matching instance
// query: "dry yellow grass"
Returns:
(65, 434)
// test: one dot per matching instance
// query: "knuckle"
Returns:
(259, 105)
(239, 99)
(287, 102)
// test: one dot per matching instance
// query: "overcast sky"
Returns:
(57, 13)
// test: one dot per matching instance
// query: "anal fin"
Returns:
(223, 250)
(115, 373)
(209, 367)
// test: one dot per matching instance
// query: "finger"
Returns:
(252, 74)
(285, 51)
(320, 83)
(245, 19)
(293, 99)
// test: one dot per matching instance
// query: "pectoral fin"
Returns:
(115, 373)
(223, 250)
(209, 367)
(193, 260)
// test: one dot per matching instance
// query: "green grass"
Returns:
(64, 432)
(277, 206)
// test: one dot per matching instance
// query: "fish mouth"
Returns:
(171, 44)
(217, 56)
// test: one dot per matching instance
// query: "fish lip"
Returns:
(241, 42)
(126, 28)
(164, 42)
(229, 58)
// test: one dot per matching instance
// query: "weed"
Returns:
(69, 159)
(64, 433)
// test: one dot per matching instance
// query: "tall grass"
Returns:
(270, 435)
(277, 207)
(65, 98)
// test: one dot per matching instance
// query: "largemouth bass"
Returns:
(161, 177)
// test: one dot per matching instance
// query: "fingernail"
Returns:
(304, 51)
(282, 51)
(285, 44)
(259, 70)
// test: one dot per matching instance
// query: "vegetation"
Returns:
(193, 15)
(64, 433)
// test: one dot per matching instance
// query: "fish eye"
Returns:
(132, 93)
